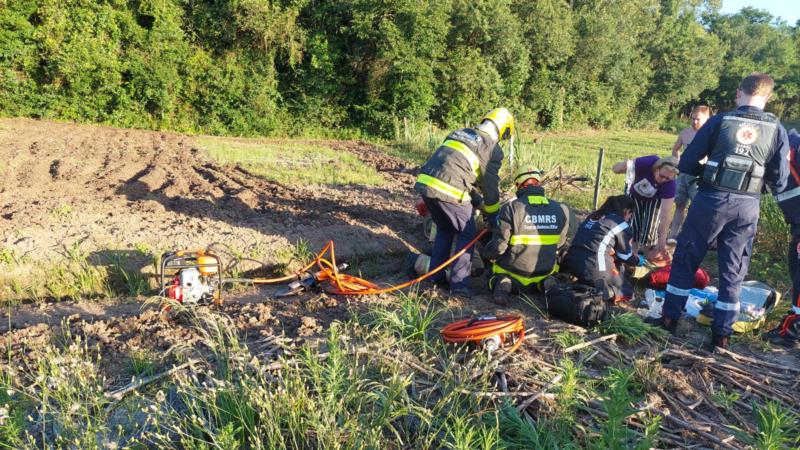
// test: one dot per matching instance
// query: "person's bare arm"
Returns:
(620, 167)
(676, 149)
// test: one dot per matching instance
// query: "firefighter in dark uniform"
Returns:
(468, 157)
(746, 149)
(602, 243)
(788, 333)
(525, 242)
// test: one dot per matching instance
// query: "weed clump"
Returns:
(631, 328)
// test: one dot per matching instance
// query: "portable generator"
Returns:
(191, 277)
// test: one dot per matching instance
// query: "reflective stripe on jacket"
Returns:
(530, 230)
(597, 244)
(467, 158)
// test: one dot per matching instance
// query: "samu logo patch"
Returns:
(746, 134)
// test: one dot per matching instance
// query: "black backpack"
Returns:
(577, 303)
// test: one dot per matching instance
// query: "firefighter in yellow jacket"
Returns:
(468, 157)
(525, 243)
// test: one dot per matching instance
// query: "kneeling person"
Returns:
(604, 242)
(526, 238)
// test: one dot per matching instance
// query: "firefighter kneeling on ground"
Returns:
(526, 239)
(788, 333)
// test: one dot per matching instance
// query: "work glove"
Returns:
(642, 261)
(475, 199)
(492, 220)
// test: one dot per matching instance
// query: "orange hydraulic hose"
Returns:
(344, 284)
(478, 329)
(350, 285)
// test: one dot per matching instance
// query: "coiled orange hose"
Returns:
(344, 284)
(478, 329)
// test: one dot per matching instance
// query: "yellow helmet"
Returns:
(526, 173)
(503, 120)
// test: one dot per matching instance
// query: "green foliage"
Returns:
(12, 420)
(754, 43)
(777, 427)
(567, 338)
(631, 328)
(279, 67)
(68, 389)
(518, 433)
(768, 262)
(724, 397)
(140, 363)
(76, 277)
(412, 322)
(684, 59)
(621, 392)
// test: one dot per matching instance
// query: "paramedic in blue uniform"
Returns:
(788, 332)
(746, 148)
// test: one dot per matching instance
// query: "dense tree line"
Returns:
(279, 66)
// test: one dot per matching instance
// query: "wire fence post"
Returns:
(597, 178)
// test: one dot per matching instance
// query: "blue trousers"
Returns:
(728, 221)
(452, 220)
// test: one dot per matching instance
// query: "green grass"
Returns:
(724, 398)
(290, 162)
(62, 212)
(631, 328)
(621, 391)
(577, 154)
(354, 389)
(75, 275)
(411, 322)
(567, 338)
(777, 427)
(141, 363)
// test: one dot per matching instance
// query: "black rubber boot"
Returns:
(408, 265)
(775, 338)
(501, 294)
(719, 341)
(787, 335)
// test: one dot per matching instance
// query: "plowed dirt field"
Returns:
(115, 188)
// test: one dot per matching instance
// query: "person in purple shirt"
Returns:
(650, 181)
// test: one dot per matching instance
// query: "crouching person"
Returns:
(602, 243)
(526, 238)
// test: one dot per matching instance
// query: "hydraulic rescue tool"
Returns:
(305, 282)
